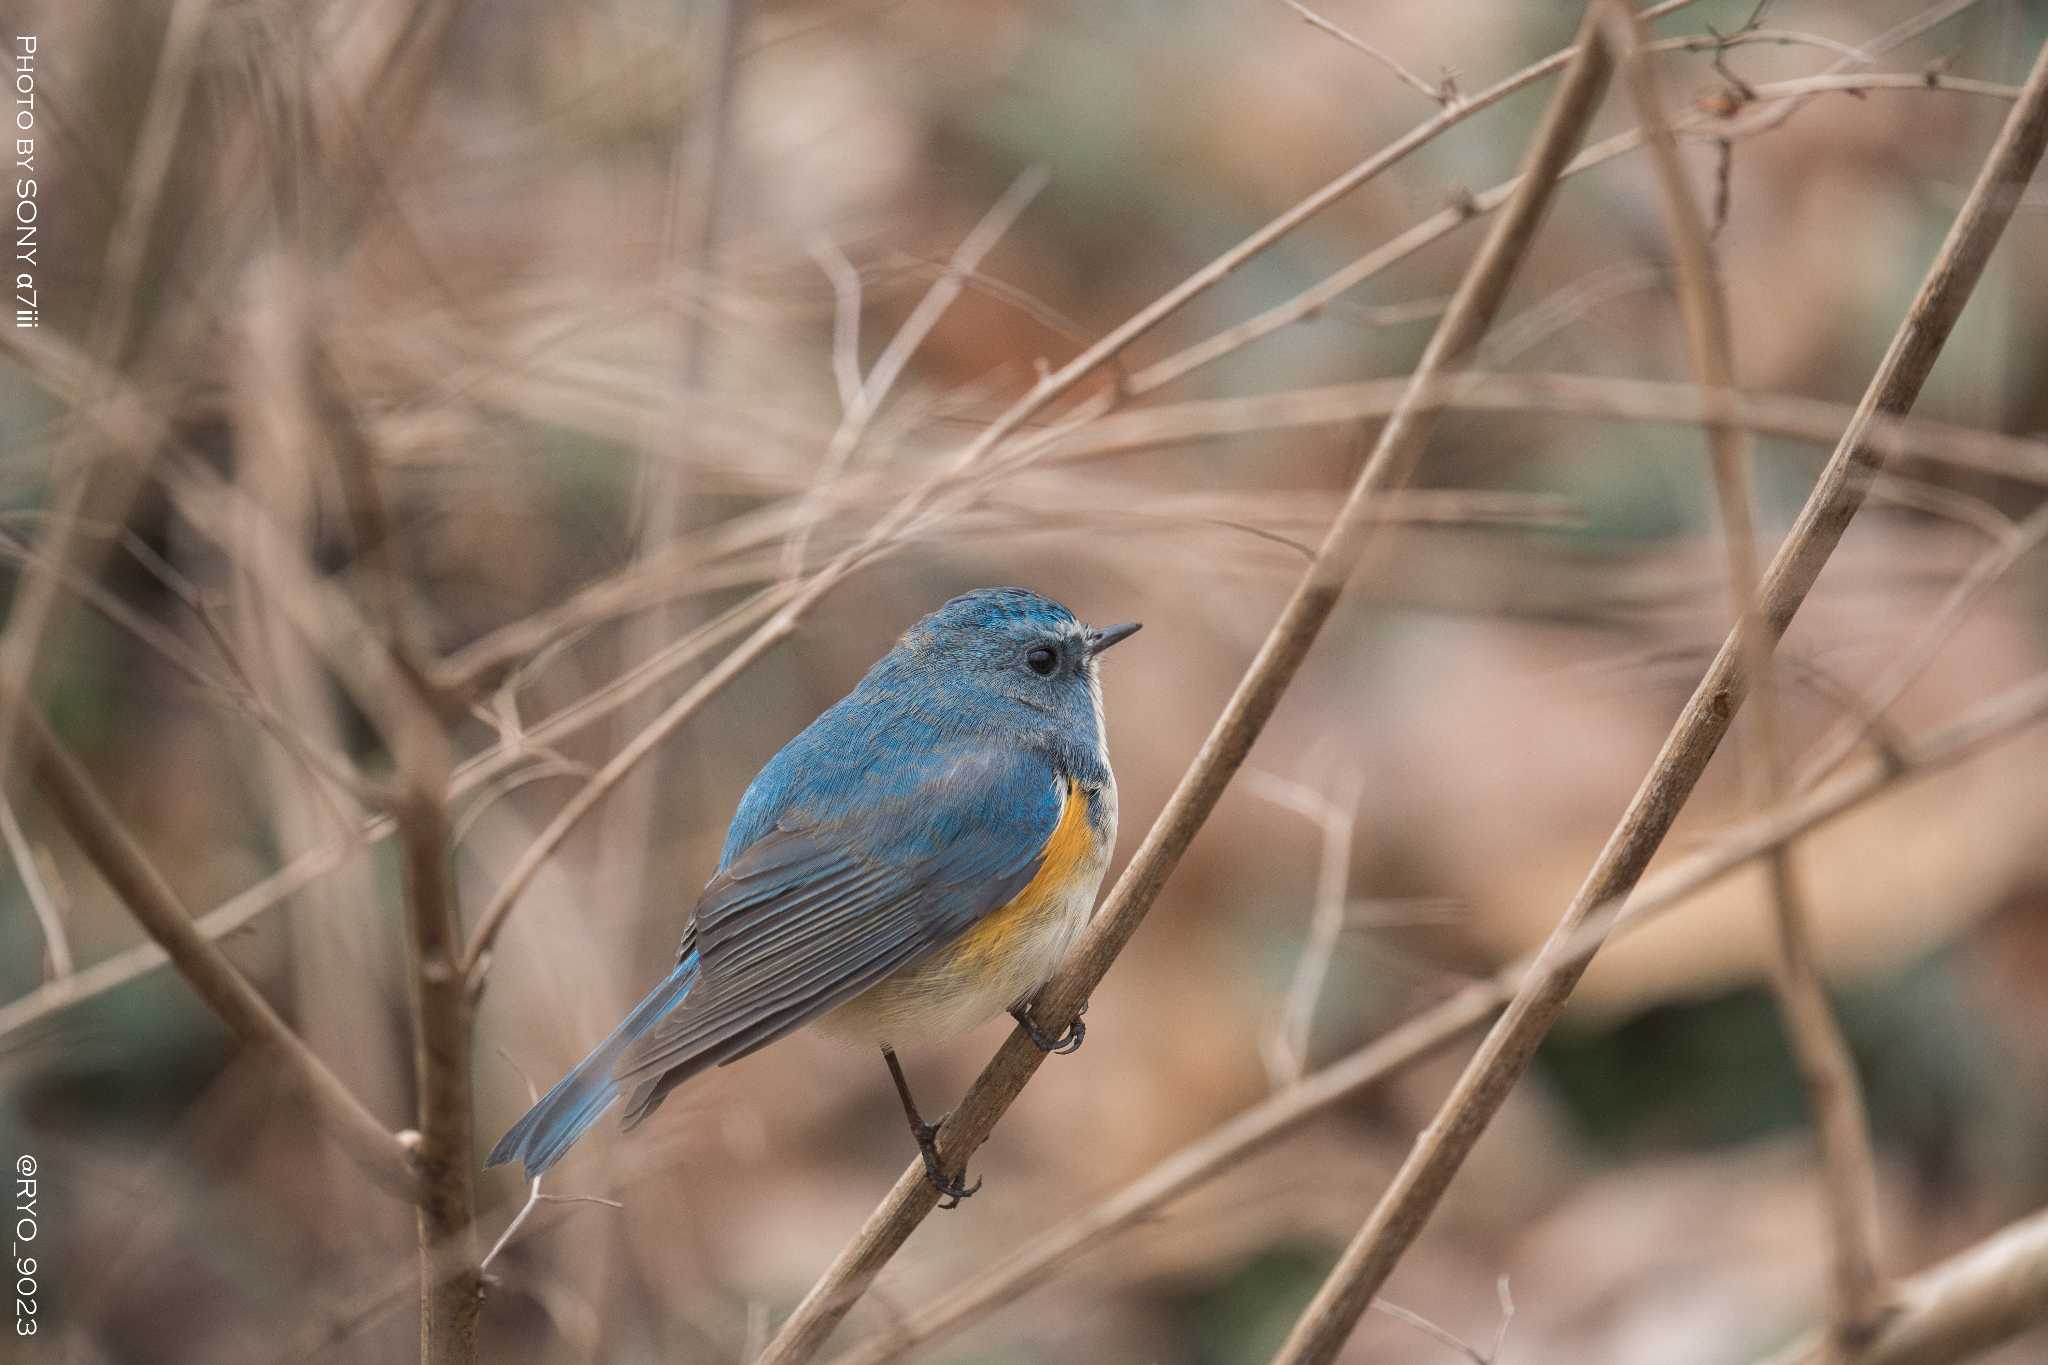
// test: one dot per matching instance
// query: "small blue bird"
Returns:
(920, 857)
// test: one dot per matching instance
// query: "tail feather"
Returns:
(563, 1114)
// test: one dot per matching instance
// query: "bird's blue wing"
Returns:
(814, 911)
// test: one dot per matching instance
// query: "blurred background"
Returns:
(579, 285)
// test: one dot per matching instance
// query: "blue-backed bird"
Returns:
(920, 857)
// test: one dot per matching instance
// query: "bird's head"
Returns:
(1017, 645)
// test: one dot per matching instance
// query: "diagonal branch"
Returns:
(1400, 443)
(1507, 1049)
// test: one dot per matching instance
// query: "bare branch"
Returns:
(226, 918)
(1775, 37)
(1505, 1053)
(1633, 400)
(1467, 207)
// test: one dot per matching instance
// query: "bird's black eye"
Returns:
(1042, 660)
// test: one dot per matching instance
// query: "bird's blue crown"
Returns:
(987, 620)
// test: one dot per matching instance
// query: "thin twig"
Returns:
(525, 1211)
(1286, 1047)
(1445, 221)
(1398, 446)
(48, 913)
(1506, 1052)
(1988, 569)
(1226, 1147)
(1900, 33)
(846, 308)
(1444, 93)
(1442, 1335)
(1776, 37)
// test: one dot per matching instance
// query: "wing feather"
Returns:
(816, 911)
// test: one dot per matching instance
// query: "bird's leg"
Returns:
(952, 1191)
(1070, 1041)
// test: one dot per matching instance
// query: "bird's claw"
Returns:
(951, 1190)
(1067, 1042)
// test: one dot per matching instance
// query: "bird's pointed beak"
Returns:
(1099, 640)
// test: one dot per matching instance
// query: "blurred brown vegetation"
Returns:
(490, 268)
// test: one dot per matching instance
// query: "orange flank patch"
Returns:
(1071, 844)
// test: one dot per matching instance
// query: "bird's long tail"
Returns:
(546, 1132)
